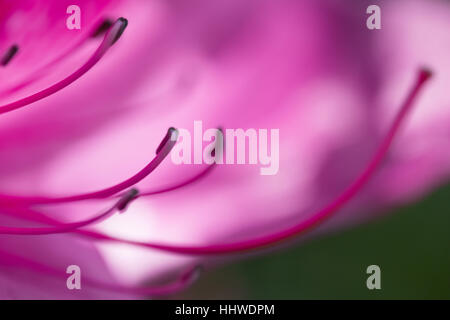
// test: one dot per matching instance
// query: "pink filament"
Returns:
(9, 55)
(186, 279)
(108, 41)
(104, 193)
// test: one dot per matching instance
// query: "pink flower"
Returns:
(80, 115)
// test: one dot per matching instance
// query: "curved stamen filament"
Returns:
(186, 279)
(179, 185)
(68, 227)
(306, 225)
(37, 74)
(110, 38)
(104, 193)
(182, 184)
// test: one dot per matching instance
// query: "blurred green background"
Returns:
(411, 245)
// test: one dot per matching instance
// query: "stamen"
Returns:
(313, 221)
(102, 28)
(100, 194)
(202, 174)
(185, 280)
(195, 178)
(172, 133)
(10, 53)
(110, 38)
(68, 227)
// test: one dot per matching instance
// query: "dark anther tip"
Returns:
(169, 136)
(127, 198)
(102, 28)
(9, 54)
(123, 25)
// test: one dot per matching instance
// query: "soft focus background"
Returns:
(411, 246)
